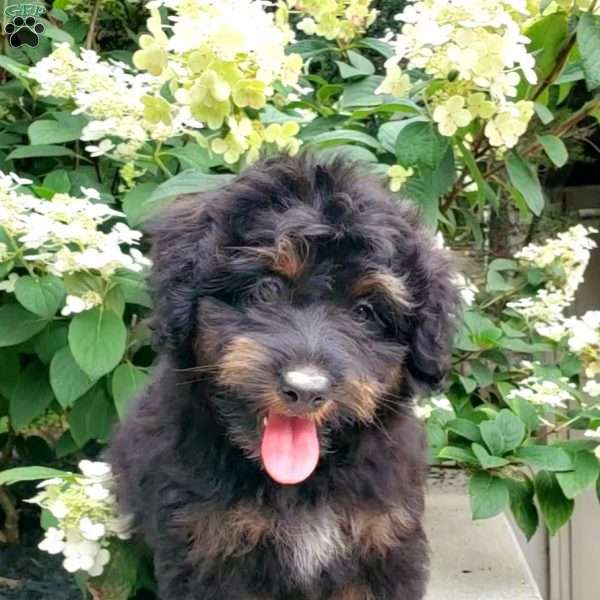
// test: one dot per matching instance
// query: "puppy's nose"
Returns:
(305, 388)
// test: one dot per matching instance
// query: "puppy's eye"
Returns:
(365, 312)
(268, 289)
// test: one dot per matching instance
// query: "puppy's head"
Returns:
(308, 301)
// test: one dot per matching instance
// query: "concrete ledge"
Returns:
(471, 560)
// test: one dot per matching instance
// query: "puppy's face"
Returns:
(309, 315)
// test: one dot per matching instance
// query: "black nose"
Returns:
(305, 388)
(294, 396)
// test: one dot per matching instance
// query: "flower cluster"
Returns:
(425, 407)
(563, 260)
(124, 107)
(63, 236)
(583, 335)
(85, 509)
(341, 20)
(223, 60)
(480, 53)
(544, 392)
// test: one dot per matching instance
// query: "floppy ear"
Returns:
(184, 244)
(435, 319)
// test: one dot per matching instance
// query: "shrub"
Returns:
(465, 109)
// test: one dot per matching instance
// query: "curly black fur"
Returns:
(294, 261)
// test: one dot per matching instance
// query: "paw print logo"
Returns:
(24, 32)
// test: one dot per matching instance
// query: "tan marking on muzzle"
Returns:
(365, 394)
(241, 358)
(274, 403)
(389, 285)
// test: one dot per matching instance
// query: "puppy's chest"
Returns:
(305, 541)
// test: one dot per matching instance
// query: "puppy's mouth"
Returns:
(289, 448)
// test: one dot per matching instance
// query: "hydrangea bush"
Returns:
(464, 108)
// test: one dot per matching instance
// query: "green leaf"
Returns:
(489, 495)
(32, 396)
(523, 506)
(97, 339)
(482, 373)
(13, 67)
(19, 474)
(545, 457)
(120, 577)
(58, 181)
(91, 417)
(555, 506)
(52, 132)
(524, 410)
(40, 295)
(191, 181)
(10, 371)
(378, 45)
(544, 113)
(18, 325)
(39, 151)
(511, 428)
(486, 460)
(586, 471)
(525, 180)
(547, 36)
(343, 136)
(458, 454)
(436, 438)
(351, 153)
(429, 186)
(127, 382)
(362, 93)
(588, 37)
(67, 379)
(360, 66)
(492, 436)
(133, 286)
(555, 148)
(419, 144)
(465, 428)
(193, 156)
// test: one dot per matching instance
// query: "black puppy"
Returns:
(275, 455)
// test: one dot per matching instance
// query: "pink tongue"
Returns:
(290, 448)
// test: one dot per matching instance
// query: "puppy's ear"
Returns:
(184, 244)
(435, 319)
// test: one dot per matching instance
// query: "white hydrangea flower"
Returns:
(593, 433)
(8, 285)
(91, 531)
(543, 392)
(65, 235)
(592, 388)
(478, 50)
(54, 542)
(565, 259)
(87, 521)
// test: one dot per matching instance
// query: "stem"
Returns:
(11, 517)
(92, 30)
(559, 65)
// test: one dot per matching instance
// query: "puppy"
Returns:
(274, 456)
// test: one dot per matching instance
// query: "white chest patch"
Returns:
(310, 544)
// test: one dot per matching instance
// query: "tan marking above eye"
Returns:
(287, 257)
(389, 285)
(242, 356)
